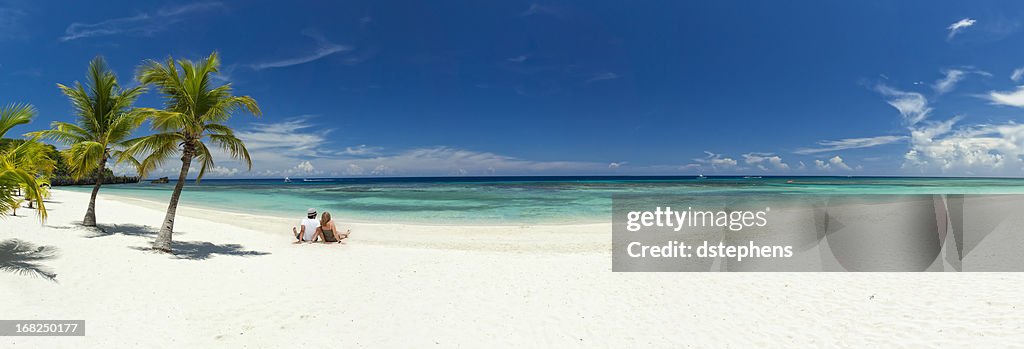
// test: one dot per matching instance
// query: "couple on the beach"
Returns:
(313, 230)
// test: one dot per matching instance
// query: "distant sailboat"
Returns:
(287, 180)
(701, 176)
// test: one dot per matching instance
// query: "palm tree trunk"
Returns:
(163, 239)
(90, 213)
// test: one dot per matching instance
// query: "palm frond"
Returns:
(218, 129)
(234, 146)
(63, 132)
(155, 150)
(194, 109)
(83, 158)
(226, 106)
(205, 160)
(14, 115)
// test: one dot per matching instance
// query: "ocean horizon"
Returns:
(515, 200)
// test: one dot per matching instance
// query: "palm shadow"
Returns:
(23, 258)
(104, 230)
(200, 250)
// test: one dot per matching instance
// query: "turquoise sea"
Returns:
(513, 200)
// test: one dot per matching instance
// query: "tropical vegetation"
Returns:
(23, 165)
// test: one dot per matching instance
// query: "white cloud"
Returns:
(717, 161)
(834, 163)
(124, 169)
(304, 167)
(324, 48)
(912, 106)
(143, 24)
(977, 149)
(959, 26)
(765, 161)
(362, 150)
(946, 84)
(219, 171)
(821, 165)
(850, 143)
(615, 165)
(837, 162)
(1017, 74)
(354, 170)
(952, 76)
(1010, 98)
(297, 136)
(989, 149)
(382, 170)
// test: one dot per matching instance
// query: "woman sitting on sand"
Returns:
(328, 232)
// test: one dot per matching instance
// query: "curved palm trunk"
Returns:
(163, 239)
(90, 213)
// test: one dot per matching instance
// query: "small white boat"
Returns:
(701, 176)
(287, 180)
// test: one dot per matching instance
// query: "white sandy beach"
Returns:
(238, 281)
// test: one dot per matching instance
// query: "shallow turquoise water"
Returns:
(514, 200)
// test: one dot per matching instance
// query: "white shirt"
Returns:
(310, 225)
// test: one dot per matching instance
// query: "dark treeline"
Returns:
(108, 178)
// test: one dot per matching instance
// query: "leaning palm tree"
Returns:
(106, 119)
(17, 163)
(194, 115)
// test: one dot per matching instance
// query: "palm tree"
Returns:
(106, 119)
(17, 164)
(194, 115)
(39, 162)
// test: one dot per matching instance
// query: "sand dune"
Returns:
(239, 281)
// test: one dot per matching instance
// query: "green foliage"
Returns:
(194, 114)
(105, 119)
(22, 164)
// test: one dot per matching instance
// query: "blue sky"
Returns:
(556, 87)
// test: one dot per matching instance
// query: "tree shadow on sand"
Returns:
(200, 250)
(204, 250)
(104, 230)
(23, 258)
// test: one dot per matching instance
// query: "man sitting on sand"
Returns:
(307, 230)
